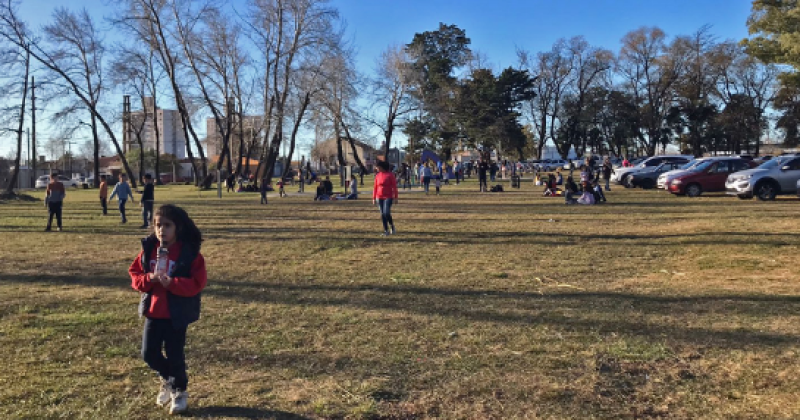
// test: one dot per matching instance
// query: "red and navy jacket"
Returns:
(180, 302)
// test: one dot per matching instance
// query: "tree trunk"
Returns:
(96, 147)
(298, 121)
(15, 174)
(240, 153)
(158, 141)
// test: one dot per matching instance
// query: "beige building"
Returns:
(171, 137)
(325, 155)
(252, 125)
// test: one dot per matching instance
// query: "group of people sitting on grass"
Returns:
(325, 191)
(589, 191)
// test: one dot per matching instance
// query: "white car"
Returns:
(621, 174)
(43, 180)
(554, 164)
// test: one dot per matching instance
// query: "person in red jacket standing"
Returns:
(170, 273)
(385, 194)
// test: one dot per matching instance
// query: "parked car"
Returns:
(648, 177)
(778, 175)
(43, 180)
(621, 174)
(548, 165)
(667, 177)
(708, 176)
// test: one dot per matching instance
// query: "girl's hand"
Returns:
(166, 281)
(373, 202)
(153, 277)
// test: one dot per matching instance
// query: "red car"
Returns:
(708, 176)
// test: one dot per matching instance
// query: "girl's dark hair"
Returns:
(185, 229)
(386, 166)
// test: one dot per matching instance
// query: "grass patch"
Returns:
(507, 305)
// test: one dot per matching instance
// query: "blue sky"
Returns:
(496, 28)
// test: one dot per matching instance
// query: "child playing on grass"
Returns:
(281, 191)
(170, 273)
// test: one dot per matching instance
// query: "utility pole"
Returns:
(33, 177)
(33, 124)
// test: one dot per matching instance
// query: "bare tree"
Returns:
(15, 64)
(742, 75)
(213, 55)
(284, 31)
(153, 22)
(588, 64)
(649, 74)
(554, 71)
(339, 96)
(76, 58)
(390, 93)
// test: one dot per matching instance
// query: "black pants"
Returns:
(483, 184)
(264, 197)
(385, 206)
(104, 203)
(147, 212)
(122, 211)
(160, 333)
(54, 208)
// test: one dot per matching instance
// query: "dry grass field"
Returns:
(506, 305)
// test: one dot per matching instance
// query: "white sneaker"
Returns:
(164, 394)
(180, 402)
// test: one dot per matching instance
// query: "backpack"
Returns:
(497, 188)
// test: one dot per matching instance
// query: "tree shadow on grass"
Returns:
(655, 317)
(243, 413)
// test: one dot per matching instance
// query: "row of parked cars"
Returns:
(741, 176)
(80, 182)
(548, 165)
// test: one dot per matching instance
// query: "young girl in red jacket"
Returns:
(170, 299)
(384, 193)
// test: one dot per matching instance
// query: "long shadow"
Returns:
(573, 311)
(243, 413)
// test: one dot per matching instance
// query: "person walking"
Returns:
(122, 191)
(170, 273)
(384, 194)
(146, 203)
(425, 175)
(607, 171)
(493, 172)
(104, 194)
(263, 188)
(406, 175)
(229, 181)
(54, 200)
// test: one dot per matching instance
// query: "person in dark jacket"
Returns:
(483, 167)
(263, 188)
(148, 198)
(608, 169)
(328, 186)
(170, 283)
(570, 189)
